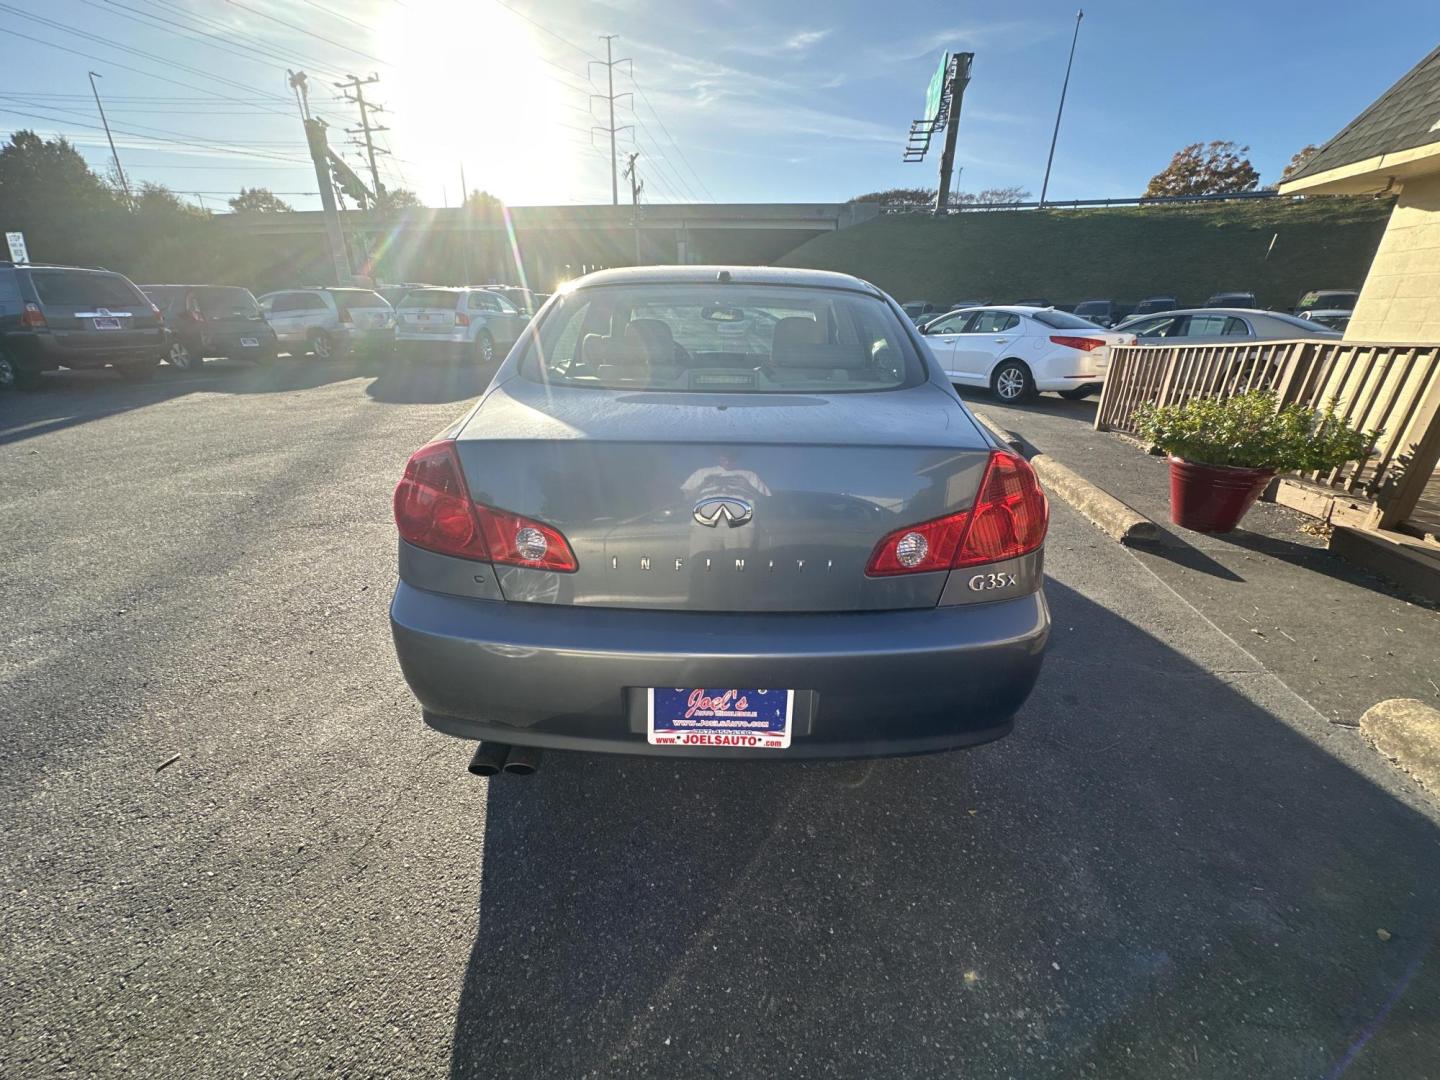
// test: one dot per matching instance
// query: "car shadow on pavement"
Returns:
(67, 398)
(1154, 875)
(427, 381)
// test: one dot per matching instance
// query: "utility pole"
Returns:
(1060, 111)
(636, 186)
(124, 184)
(320, 154)
(609, 65)
(367, 129)
(959, 75)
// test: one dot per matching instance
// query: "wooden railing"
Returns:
(1393, 389)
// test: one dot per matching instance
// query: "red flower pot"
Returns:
(1213, 498)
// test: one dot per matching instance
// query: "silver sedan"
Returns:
(1221, 326)
(719, 513)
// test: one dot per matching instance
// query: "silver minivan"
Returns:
(459, 322)
(329, 321)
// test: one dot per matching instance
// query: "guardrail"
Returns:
(1390, 388)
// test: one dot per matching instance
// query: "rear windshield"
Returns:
(1061, 320)
(84, 288)
(359, 298)
(1323, 300)
(736, 338)
(1093, 307)
(433, 299)
(219, 301)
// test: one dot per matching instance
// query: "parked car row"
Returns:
(1329, 307)
(74, 317)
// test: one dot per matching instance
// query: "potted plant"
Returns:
(1223, 451)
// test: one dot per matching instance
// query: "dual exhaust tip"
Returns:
(492, 758)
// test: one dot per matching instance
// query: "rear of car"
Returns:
(1103, 312)
(477, 324)
(328, 321)
(213, 321)
(63, 316)
(720, 513)
(1019, 351)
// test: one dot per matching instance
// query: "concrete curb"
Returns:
(1107, 513)
(1407, 732)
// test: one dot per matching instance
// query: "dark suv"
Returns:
(212, 320)
(65, 316)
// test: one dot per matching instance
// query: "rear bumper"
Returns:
(445, 345)
(43, 352)
(875, 683)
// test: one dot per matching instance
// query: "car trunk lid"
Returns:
(722, 502)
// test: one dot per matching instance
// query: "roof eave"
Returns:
(1370, 176)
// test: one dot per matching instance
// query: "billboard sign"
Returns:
(935, 92)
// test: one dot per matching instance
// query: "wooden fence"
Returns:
(1393, 389)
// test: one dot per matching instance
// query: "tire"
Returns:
(321, 345)
(181, 358)
(1012, 382)
(484, 348)
(9, 374)
(145, 369)
(1080, 393)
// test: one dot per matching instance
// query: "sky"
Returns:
(730, 100)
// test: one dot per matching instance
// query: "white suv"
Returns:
(471, 323)
(329, 321)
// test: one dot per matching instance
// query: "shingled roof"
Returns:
(1404, 117)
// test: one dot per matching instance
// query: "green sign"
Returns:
(935, 93)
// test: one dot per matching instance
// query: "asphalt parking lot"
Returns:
(1175, 866)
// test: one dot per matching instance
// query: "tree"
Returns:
(482, 200)
(994, 196)
(1214, 168)
(66, 211)
(1299, 161)
(259, 201)
(916, 197)
(397, 199)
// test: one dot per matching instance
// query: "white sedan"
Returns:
(1018, 351)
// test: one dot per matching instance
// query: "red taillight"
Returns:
(1084, 344)
(32, 317)
(1009, 519)
(1011, 515)
(432, 506)
(433, 510)
(461, 319)
(521, 541)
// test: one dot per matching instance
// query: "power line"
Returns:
(309, 33)
(646, 99)
(123, 67)
(186, 142)
(357, 86)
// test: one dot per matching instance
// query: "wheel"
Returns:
(137, 372)
(321, 345)
(1012, 381)
(484, 348)
(9, 376)
(180, 357)
(1080, 393)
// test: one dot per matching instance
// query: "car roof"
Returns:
(55, 266)
(710, 275)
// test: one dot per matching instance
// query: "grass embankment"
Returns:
(1122, 253)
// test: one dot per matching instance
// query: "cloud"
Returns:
(792, 46)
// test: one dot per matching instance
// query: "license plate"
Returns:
(249, 343)
(107, 324)
(724, 717)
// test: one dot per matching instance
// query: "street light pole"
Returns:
(1060, 111)
(124, 184)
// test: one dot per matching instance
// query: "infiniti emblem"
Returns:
(734, 512)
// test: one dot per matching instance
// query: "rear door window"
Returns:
(1205, 326)
(994, 322)
(951, 324)
(84, 289)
